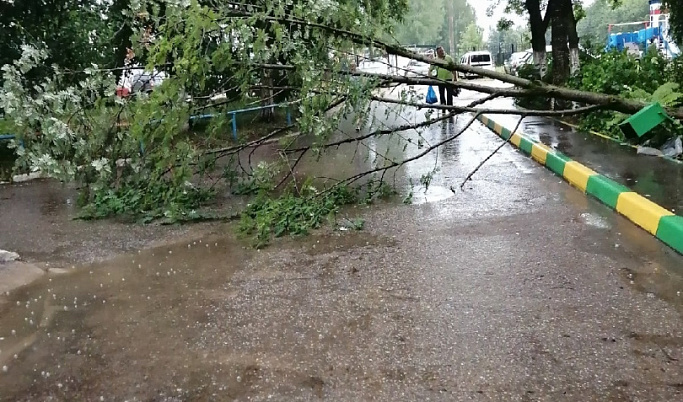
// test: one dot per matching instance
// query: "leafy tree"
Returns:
(427, 22)
(649, 79)
(472, 39)
(201, 42)
(75, 31)
(422, 24)
(463, 16)
(139, 156)
(676, 18)
(592, 29)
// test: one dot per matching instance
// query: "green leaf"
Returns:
(667, 94)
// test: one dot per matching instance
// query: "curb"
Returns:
(658, 221)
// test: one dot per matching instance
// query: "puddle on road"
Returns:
(655, 281)
(433, 194)
(656, 178)
(595, 220)
(73, 333)
(205, 320)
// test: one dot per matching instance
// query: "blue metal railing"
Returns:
(232, 113)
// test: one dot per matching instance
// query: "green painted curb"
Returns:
(670, 231)
(605, 190)
(556, 161)
(506, 134)
(669, 227)
(525, 144)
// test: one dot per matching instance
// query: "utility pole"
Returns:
(451, 29)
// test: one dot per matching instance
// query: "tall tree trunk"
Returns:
(558, 40)
(538, 25)
(574, 62)
(122, 42)
(451, 29)
(267, 96)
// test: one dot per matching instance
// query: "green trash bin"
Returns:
(641, 123)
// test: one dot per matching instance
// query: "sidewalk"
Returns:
(638, 208)
(655, 178)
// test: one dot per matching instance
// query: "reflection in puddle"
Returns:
(433, 194)
(595, 220)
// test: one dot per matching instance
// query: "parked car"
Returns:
(516, 60)
(138, 80)
(481, 59)
(529, 60)
(416, 68)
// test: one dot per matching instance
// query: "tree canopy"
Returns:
(74, 31)
(422, 23)
(472, 39)
(153, 155)
(676, 18)
(592, 29)
(427, 22)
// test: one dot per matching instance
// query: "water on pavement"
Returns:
(516, 288)
(658, 179)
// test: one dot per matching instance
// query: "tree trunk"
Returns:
(574, 62)
(540, 62)
(538, 26)
(121, 40)
(451, 29)
(267, 96)
(559, 39)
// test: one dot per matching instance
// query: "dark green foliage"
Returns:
(651, 78)
(74, 31)
(146, 202)
(617, 73)
(293, 214)
(676, 18)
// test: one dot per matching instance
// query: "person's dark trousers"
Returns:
(446, 95)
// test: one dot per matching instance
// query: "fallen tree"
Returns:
(175, 163)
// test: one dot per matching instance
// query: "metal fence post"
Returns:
(234, 125)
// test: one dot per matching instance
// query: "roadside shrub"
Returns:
(652, 78)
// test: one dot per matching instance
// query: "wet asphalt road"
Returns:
(517, 288)
(658, 179)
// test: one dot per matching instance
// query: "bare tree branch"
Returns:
(413, 158)
(380, 132)
(539, 87)
(461, 109)
(469, 176)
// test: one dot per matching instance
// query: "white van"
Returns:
(482, 59)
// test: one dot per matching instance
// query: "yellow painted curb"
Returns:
(497, 128)
(641, 211)
(516, 139)
(540, 152)
(578, 174)
(656, 220)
